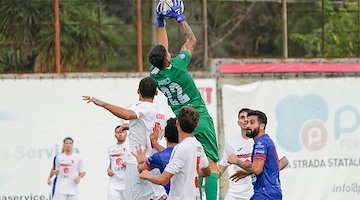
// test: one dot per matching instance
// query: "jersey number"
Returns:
(180, 98)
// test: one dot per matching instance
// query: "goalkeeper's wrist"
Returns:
(180, 17)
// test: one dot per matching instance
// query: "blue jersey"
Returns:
(160, 160)
(267, 185)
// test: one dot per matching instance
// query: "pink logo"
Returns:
(66, 170)
(118, 161)
(160, 116)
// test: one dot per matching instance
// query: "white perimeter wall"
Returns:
(37, 114)
(316, 123)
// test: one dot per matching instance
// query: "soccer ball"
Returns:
(165, 5)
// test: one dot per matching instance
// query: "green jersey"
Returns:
(177, 85)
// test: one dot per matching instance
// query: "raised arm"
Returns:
(190, 38)
(162, 37)
(115, 110)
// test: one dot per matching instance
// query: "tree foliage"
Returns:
(27, 28)
(101, 34)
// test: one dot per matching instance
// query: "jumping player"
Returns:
(175, 82)
(142, 117)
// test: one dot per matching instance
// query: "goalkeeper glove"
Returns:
(160, 20)
(177, 14)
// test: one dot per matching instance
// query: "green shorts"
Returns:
(205, 134)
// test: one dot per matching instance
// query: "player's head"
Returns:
(159, 57)
(242, 117)
(257, 121)
(68, 144)
(188, 119)
(147, 87)
(120, 134)
(171, 132)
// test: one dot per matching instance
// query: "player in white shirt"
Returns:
(70, 169)
(119, 154)
(187, 162)
(241, 187)
(142, 117)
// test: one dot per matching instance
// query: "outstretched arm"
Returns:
(116, 110)
(190, 38)
(162, 37)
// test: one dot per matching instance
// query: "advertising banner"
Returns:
(316, 123)
(37, 114)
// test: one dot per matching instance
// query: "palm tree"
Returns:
(27, 36)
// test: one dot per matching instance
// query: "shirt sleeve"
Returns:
(260, 150)
(152, 161)
(182, 60)
(81, 165)
(279, 153)
(204, 161)
(137, 109)
(226, 154)
(176, 163)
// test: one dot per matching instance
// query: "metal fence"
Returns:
(109, 35)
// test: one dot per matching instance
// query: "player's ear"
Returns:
(156, 92)
(138, 90)
(262, 126)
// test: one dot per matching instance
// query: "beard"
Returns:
(252, 134)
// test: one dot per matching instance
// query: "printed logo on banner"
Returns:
(206, 94)
(302, 122)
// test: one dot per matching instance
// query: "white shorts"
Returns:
(116, 191)
(119, 196)
(65, 197)
(139, 189)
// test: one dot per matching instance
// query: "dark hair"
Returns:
(118, 126)
(171, 132)
(244, 110)
(157, 56)
(147, 87)
(188, 118)
(260, 115)
(68, 138)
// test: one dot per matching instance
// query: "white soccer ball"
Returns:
(165, 5)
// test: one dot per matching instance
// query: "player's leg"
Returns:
(205, 134)
(211, 182)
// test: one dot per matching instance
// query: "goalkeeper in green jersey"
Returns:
(174, 81)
